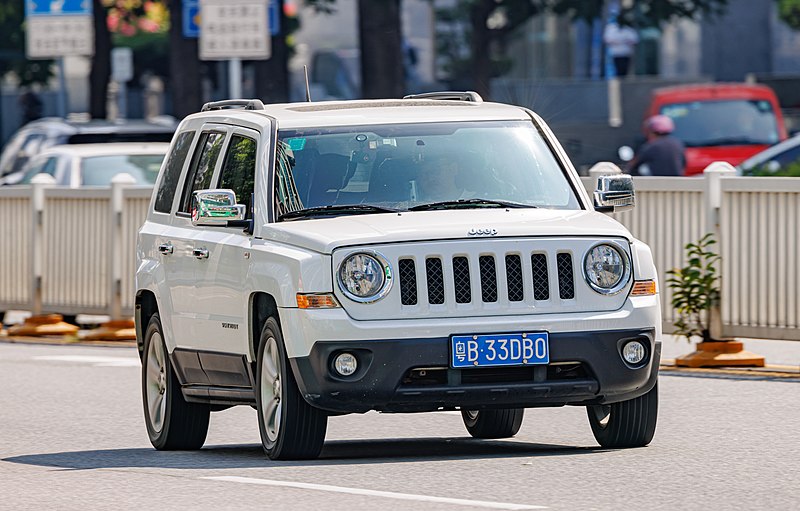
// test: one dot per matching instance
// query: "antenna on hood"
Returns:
(308, 89)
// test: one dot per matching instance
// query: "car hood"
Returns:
(326, 234)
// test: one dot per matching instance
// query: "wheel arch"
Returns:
(262, 306)
(145, 306)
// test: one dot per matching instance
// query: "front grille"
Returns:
(514, 282)
(566, 281)
(433, 270)
(461, 280)
(408, 281)
(444, 285)
(488, 279)
(541, 283)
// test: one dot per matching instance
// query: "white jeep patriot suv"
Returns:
(430, 253)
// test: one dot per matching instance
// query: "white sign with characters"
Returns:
(234, 29)
(59, 36)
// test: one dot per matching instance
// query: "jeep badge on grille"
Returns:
(482, 232)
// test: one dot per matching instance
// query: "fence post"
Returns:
(118, 185)
(39, 183)
(712, 191)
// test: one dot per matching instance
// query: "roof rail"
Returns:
(246, 104)
(449, 96)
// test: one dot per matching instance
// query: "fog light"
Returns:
(634, 352)
(345, 364)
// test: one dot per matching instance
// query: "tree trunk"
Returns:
(101, 63)
(184, 66)
(481, 42)
(380, 38)
(272, 76)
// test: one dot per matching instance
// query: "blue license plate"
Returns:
(500, 349)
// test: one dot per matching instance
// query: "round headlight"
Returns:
(365, 277)
(606, 269)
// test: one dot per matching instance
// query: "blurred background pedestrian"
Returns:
(621, 42)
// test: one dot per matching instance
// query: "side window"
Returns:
(286, 197)
(239, 169)
(51, 166)
(205, 159)
(172, 172)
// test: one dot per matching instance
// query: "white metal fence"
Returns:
(73, 251)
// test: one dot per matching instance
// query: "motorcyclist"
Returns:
(662, 154)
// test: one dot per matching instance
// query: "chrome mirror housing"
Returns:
(614, 193)
(215, 208)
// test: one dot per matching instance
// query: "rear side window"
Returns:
(172, 172)
(239, 169)
(204, 161)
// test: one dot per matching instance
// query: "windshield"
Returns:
(403, 166)
(99, 170)
(719, 123)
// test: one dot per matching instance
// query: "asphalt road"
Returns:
(72, 436)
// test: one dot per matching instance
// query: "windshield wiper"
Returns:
(469, 203)
(335, 209)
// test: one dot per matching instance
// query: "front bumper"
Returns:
(585, 368)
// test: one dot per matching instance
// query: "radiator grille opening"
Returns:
(433, 270)
(566, 281)
(541, 282)
(514, 278)
(488, 278)
(461, 280)
(408, 281)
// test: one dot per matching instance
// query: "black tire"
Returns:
(630, 423)
(176, 425)
(290, 428)
(500, 423)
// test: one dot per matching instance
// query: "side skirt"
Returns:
(214, 377)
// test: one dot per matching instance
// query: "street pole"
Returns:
(235, 78)
(62, 89)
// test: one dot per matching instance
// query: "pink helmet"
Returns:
(660, 124)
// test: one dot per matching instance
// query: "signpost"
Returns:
(234, 30)
(56, 29)
(122, 73)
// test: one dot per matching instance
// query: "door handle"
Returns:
(166, 248)
(200, 253)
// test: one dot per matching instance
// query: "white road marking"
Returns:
(372, 493)
(95, 361)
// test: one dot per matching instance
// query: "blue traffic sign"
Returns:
(57, 7)
(191, 18)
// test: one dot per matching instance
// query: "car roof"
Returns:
(376, 112)
(698, 91)
(95, 126)
(110, 149)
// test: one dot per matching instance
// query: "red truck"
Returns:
(720, 121)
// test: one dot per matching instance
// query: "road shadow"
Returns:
(336, 452)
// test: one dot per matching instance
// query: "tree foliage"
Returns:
(789, 12)
(12, 46)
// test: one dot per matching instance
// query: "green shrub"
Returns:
(695, 289)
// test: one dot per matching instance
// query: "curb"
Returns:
(65, 341)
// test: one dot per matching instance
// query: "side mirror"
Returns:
(625, 153)
(215, 208)
(614, 193)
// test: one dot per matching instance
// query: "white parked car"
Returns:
(431, 253)
(96, 164)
